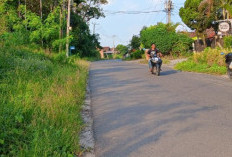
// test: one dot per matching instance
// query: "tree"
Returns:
(85, 42)
(44, 23)
(89, 9)
(165, 38)
(197, 16)
(135, 42)
(225, 6)
(122, 49)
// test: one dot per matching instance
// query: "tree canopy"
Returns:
(202, 14)
(165, 38)
(122, 49)
(135, 42)
(45, 23)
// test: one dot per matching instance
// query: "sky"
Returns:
(117, 29)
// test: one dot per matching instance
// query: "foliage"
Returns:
(137, 54)
(46, 26)
(90, 9)
(201, 68)
(182, 45)
(165, 38)
(135, 42)
(209, 61)
(228, 42)
(202, 14)
(86, 42)
(40, 103)
(122, 49)
(196, 17)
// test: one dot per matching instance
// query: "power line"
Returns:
(131, 12)
(155, 5)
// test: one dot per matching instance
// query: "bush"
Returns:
(182, 45)
(138, 54)
(210, 56)
(228, 42)
(166, 39)
(208, 61)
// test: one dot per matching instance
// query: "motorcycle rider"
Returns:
(156, 52)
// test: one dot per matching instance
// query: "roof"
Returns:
(113, 49)
(210, 33)
(105, 49)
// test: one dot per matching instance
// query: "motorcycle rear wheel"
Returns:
(229, 73)
(157, 70)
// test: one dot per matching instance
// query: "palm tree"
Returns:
(208, 7)
(225, 6)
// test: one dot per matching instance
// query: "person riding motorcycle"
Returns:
(155, 51)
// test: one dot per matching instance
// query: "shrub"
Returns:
(228, 42)
(210, 57)
(208, 61)
(137, 54)
(182, 45)
(166, 39)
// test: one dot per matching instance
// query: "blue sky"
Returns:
(124, 26)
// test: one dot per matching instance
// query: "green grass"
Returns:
(191, 66)
(209, 61)
(40, 102)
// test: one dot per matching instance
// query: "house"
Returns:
(107, 51)
(210, 33)
(210, 39)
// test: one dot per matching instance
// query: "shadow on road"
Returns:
(133, 111)
(168, 72)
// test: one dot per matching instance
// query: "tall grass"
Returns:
(40, 103)
(209, 61)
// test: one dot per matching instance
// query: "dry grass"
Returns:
(210, 61)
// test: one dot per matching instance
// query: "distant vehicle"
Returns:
(229, 64)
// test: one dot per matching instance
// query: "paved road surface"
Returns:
(178, 114)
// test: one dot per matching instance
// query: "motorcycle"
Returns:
(229, 64)
(155, 60)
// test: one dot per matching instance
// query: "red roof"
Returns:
(210, 33)
(105, 49)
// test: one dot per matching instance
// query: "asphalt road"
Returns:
(178, 114)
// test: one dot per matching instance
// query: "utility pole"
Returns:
(168, 9)
(94, 27)
(26, 12)
(68, 27)
(41, 9)
(114, 36)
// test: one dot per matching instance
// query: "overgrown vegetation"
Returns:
(210, 61)
(41, 99)
(228, 42)
(41, 90)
